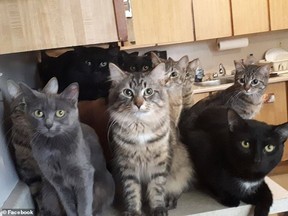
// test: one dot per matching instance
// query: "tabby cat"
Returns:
(175, 73)
(245, 96)
(144, 141)
(26, 166)
(188, 83)
(238, 154)
(131, 62)
(86, 65)
(68, 152)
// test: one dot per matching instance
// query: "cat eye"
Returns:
(128, 92)
(245, 144)
(103, 64)
(132, 68)
(269, 148)
(242, 80)
(88, 63)
(60, 113)
(148, 91)
(145, 68)
(254, 82)
(174, 74)
(38, 113)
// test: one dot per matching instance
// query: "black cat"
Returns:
(231, 156)
(86, 65)
(131, 62)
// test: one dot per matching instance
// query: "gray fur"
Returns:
(27, 168)
(68, 152)
(145, 142)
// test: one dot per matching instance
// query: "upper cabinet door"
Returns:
(250, 16)
(162, 21)
(212, 19)
(40, 24)
(278, 14)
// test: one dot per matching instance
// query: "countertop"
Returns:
(283, 77)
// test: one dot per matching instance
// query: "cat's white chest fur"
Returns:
(249, 186)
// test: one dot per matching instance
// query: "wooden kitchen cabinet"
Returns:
(162, 21)
(278, 14)
(212, 19)
(40, 24)
(249, 16)
(276, 112)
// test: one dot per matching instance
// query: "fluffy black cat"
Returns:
(231, 156)
(131, 62)
(86, 65)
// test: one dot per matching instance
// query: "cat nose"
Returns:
(48, 123)
(138, 102)
(247, 88)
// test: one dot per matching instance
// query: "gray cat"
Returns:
(68, 152)
(175, 74)
(244, 96)
(27, 168)
(145, 143)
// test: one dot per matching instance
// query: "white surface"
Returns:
(199, 204)
(276, 54)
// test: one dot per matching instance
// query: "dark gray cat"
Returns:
(68, 152)
(245, 96)
(27, 167)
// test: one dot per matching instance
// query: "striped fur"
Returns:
(188, 83)
(175, 72)
(145, 143)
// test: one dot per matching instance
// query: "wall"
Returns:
(210, 57)
(19, 67)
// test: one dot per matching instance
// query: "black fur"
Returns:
(131, 62)
(222, 164)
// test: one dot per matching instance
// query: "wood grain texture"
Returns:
(39, 24)
(212, 19)
(278, 14)
(120, 20)
(162, 21)
(276, 112)
(250, 16)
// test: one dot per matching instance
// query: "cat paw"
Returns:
(132, 213)
(171, 202)
(160, 211)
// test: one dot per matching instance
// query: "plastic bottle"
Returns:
(250, 60)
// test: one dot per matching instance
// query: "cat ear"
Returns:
(158, 73)
(265, 70)
(14, 89)
(71, 92)
(234, 120)
(194, 64)
(239, 65)
(116, 74)
(155, 59)
(282, 130)
(183, 62)
(51, 87)
(28, 91)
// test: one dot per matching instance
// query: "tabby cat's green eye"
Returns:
(38, 113)
(242, 80)
(254, 82)
(148, 92)
(245, 144)
(128, 92)
(269, 148)
(60, 113)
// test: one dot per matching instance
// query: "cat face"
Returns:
(251, 78)
(138, 95)
(255, 147)
(48, 113)
(134, 63)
